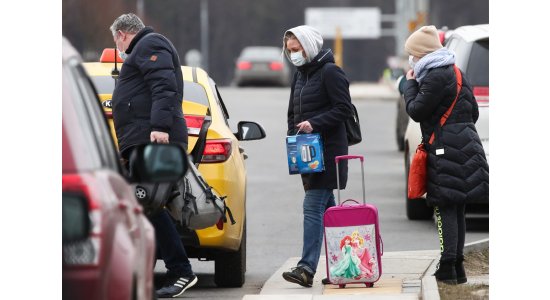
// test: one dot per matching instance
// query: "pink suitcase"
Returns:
(353, 244)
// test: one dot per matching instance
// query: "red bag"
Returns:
(419, 164)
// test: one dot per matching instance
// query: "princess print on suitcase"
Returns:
(353, 258)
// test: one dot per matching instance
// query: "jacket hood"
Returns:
(324, 56)
(310, 39)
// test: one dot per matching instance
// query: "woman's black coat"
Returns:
(320, 95)
(461, 174)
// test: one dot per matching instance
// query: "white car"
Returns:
(471, 45)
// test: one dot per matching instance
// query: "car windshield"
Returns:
(191, 91)
(261, 53)
(104, 84)
(195, 92)
(478, 66)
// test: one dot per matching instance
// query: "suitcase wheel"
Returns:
(369, 284)
(341, 286)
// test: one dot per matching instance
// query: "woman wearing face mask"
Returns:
(320, 103)
(458, 172)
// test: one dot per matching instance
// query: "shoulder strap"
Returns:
(448, 112)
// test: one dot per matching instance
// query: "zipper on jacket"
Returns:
(129, 105)
(307, 79)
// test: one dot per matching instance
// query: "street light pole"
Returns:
(204, 34)
(140, 9)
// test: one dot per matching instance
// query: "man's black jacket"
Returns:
(149, 92)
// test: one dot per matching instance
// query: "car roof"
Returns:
(68, 51)
(104, 69)
(471, 33)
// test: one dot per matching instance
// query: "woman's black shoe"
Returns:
(446, 272)
(460, 272)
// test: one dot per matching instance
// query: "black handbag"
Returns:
(353, 128)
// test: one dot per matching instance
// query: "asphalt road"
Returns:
(274, 198)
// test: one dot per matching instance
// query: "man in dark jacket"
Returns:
(147, 107)
(458, 172)
(320, 103)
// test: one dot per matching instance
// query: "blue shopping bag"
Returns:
(305, 153)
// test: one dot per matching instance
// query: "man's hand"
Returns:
(305, 127)
(410, 74)
(159, 137)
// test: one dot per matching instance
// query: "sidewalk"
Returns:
(372, 90)
(406, 275)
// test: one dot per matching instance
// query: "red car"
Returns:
(108, 243)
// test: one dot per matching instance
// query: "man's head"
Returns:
(124, 29)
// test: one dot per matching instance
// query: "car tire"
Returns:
(417, 209)
(230, 267)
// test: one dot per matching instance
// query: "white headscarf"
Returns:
(310, 39)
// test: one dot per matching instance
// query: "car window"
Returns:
(195, 92)
(77, 128)
(96, 118)
(219, 100)
(478, 66)
(104, 84)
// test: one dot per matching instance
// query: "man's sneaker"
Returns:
(300, 276)
(176, 286)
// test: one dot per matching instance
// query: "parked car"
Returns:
(108, 244)
(261, 65)
(220, 158)
(402, 119)
(471, 45)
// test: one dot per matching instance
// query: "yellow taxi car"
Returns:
(220, 157)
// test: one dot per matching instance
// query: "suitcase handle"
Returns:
(349, 200)
(348, 157)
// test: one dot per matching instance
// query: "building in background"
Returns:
(235, 24)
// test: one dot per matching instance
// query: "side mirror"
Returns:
(248, 131)
(156, 163)
(75, 218)
(401, 84)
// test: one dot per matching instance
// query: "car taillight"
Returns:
(194, 124)
(482, 95)
(216, 151)
(244, 65)
(276, 66)
(86, 251)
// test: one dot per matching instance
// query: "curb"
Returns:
(430, 291)
(476, 246)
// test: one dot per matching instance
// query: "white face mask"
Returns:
(297, 58)
(412, 63)
(122, 54)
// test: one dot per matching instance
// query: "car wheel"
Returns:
(417, 209)
(231, 266)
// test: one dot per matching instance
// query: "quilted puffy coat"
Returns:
(461, 174)
(149, 92)
(320, 95)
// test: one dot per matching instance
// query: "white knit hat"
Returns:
(310, 39)
(423, 41)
